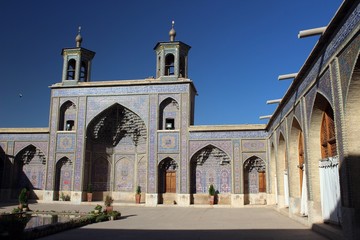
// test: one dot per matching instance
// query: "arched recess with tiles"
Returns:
(29, 171)
(63, 179)
(210, 165)
(116, 141)
(167, 181)
(254, 172)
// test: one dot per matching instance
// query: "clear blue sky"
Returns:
(238, 50)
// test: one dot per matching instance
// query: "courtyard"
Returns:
(173, 222)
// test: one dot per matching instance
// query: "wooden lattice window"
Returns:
(328, 140)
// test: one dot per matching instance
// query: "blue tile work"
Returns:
(173, 156)
(52, 144)
(168, 142)
(70, 156)
(224, 145)
(237, 166)
(174, 96)
(142, 173)
(184, 143)
(118, 90)
(212, 172)
(80, 145)
(347, 61)
(42, 146)
(24, 137)
(227, 135)
(65, 169)
(297, 113)
(124, 174)
(339, 110)
(3, 146)
(71, 99)
(253, 145)
(138, 104)
(152, 164)
(309, 102)
(246, 156)
(65, 142)
(325, 86)
(351, 23)
(333, 46)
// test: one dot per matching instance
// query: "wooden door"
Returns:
(170, 182)
(262, 182)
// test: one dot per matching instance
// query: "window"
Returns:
(169, 124)
(71, 70)
(69, 125)
(328, 140)
(169, 64)
(83, 72)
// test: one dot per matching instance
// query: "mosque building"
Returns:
(114, 136)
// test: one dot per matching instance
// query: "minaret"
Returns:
(77, 63)
(172, 58)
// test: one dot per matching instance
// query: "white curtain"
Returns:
(286, 189)
(304, 196)
(330, 189)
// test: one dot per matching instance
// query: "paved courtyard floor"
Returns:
(187, 223)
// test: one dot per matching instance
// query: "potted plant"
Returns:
(89, 192)
(108, 203)
(114, 215)
(138, 194)
(212, 194)
(97, 208)
(23, 199)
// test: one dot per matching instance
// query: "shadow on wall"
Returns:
(349, 174)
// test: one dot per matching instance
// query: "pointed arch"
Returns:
(114, 123)
(282, 170)
(169, 64)
(167, 175)
(169, 114)
(254, 173)
(63, 176)
(67, 116)
(273, 174)
(296, 158)
(321, 113)
(210, 165)
(84, 71)
(29, 168)
(71, 68)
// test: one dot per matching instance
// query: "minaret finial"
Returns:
(172, 32)
(78, 38)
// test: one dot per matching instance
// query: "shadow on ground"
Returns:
(129, 234)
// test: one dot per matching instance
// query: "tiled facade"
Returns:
(117, 135)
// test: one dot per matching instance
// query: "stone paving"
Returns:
(172, 222)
